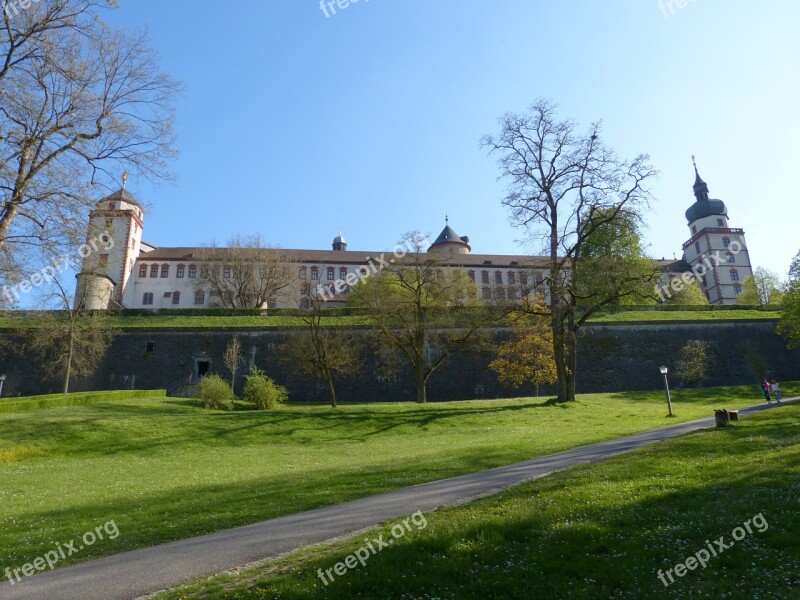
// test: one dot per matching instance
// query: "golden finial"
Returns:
(124, 179)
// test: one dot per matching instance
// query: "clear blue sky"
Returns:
(295, 125)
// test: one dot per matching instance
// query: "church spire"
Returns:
(700, 186)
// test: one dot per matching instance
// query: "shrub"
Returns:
(215, 393)
(263, 391)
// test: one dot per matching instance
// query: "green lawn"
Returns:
(165, 469)
(597, 531)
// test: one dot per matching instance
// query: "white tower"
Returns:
(115, 239)
(720, 249)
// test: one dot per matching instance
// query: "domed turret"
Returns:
(339, 243)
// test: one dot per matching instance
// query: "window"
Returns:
(192, 271)
(154, 271)
(726, 241)
(523, 278)
(331, 274)
(487, 293)
(176, 297)
(512, 278)
(164, 271)
(730, 257)
(204, 271)
(179, 271)
(130, 265)
(142, 270)
(199, 298)
(150, 347)
(500, 293)
(342, 273)
(737, 289)
(302, 272)
(109, 223)
(147, 299)
(484, 276)
(694, 229)
(498, 277)
(226, 272)
(734, 275)
(539, 278)
(697, 247)
(720, 223)
(471, 276)
(314, 273)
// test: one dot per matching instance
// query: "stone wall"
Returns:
(612, 357)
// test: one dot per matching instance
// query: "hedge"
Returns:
(75, 399)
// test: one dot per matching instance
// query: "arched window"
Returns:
(734, 275)
(147, 298)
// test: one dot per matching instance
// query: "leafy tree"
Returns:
(528, 355)
(790, 319)
(321, 351)
(762, 288)
(423, 311)
(80, 102)
(612, 261)
(683, 294)
(695, 362)
(564, 189)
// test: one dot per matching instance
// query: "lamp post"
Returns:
(664, 372)
(2, 381)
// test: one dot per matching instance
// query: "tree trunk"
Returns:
(422, 388)
(68, 369)
(331, 389)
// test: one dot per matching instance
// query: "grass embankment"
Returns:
(597, 531)
(165, 469)
(167, 321)
(24, 403)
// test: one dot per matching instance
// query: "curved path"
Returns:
(140, 572)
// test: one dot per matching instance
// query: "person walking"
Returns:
(776, 391)
(765, 387)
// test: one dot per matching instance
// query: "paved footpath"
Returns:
(134, 574)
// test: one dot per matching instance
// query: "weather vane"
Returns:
(124, 179)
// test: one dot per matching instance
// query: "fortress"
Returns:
(136, 274)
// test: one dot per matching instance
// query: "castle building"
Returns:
(715, 250)
(134, 274)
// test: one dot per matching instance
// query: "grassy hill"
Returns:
(166, 469)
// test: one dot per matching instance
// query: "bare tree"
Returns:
(323, 351)
(424, 311)
(246, 274)
(232, 359)
(79, 104)
(564, 188)
(70, 343)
